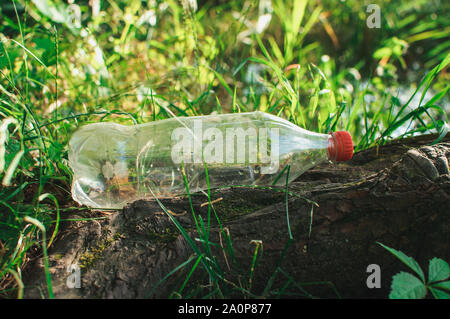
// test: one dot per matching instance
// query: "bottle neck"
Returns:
(331, 150)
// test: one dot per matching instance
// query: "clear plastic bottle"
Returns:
(115, 164)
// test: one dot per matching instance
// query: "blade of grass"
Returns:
(55, 201)
(41, 227)
(190, 274)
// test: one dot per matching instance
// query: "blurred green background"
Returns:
(194, 55)
(375, 68)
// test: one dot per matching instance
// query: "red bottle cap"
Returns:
(340, 146)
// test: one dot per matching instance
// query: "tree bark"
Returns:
(397, 194)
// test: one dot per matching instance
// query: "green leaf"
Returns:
(442, 285)
(11, 169)
(438, 270)
(34, 56)
(406, 286)
(57, 12)
(49, 9)
(383, 52)
(443, 132)
(439, 294)
(408, 261)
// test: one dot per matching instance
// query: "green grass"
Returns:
(316, 64)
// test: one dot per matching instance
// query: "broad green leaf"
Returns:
(439, 294)
(408, 261)
(406, 286)
(438, 270)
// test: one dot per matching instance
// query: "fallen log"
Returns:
(316, 240)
